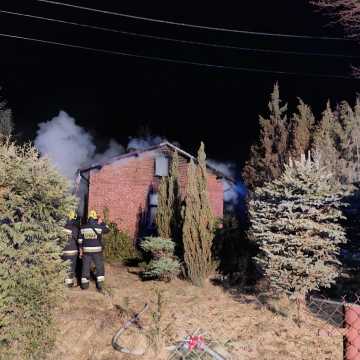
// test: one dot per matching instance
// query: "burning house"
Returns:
(127, 186)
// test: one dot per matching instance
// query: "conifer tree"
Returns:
(324, 142)
(281, 137)
(295, 222)
(168, 216)
(34, 203)
(342, 156)
(348, 138)
(268, 154)
(163, 213)
(199, 222)
(301, 127)
(337, 142)
(175, 204)
(6, 122)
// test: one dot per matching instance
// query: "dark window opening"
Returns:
(153, 205)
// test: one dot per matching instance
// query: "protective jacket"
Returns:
(70, 252)
(72, 230)
(90, 240)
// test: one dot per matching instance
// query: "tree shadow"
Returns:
(234, 253)
(144, 228)
(348, 283)
(145, 222)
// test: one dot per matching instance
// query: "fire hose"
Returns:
(123, 349)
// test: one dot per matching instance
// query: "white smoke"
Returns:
(69, 146)
(114, 149)
(227, 168)
(232, 189)
(145, 142)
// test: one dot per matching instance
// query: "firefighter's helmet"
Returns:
(93, 214)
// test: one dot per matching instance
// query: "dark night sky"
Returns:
(113, 95)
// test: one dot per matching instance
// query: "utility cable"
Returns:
(186, 42)
(175, 61)
(181, 24)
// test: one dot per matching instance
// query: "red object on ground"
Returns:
(196, 342)
(352, 336)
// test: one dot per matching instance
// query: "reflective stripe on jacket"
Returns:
(91, 236)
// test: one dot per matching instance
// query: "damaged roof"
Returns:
(151, 148)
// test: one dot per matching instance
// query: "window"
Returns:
(153, 199)
(153, 204)
(162, 166)
(152, 217)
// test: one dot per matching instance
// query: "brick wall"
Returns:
(123, 187)
(216, 195)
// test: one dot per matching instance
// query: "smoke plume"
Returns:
(69, 146)
(141, 143)
(113, 149)
(233, 191)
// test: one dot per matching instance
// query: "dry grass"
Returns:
(88, 320)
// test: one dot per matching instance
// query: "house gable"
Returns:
(123, 185)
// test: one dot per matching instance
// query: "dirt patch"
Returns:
(240, 329)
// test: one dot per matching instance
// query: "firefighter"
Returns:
(70, 251)
(91, 250)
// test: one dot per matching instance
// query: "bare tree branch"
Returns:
(347, 13)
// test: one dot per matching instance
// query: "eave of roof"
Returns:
(138, 152)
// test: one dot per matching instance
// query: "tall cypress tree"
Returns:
(163, 214)
(168, 216)
(199, 222)
(175, 204)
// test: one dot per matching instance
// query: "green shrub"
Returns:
(158, 246)
(118, 245)
(163, 265)
(34, 202)
(164, 269)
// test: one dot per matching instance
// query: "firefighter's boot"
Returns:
(99, 283)
(85, 283)
(69, 282)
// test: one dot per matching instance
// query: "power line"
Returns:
(201, 27)
(175, 61)
(187, 42)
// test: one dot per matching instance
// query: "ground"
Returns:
(236, 326)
